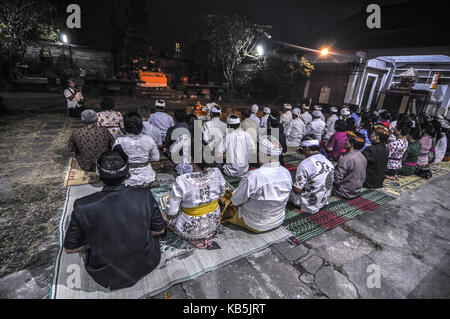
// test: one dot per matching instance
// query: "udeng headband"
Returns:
(309, 143)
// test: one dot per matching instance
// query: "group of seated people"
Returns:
(118, 227)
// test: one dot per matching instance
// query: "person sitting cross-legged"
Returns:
(110, 119)
(377, 156)
(295, 129)
(314, 178)
(117, 228)
(350, 173)
(193, 208)
(141, 149)
(259, 202)
(90, 141)
(238, 146)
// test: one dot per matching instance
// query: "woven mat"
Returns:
(304, 226)
(76, 176)
(407, 183)
(180, 261)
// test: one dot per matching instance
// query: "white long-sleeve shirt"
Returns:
(315, 176)
(162, 121)
(192, 190)
(306, 117)
(237, 144)
(440, 149)
(255, 118)
(264, 120)
(262, 196)
(316, 127)
(214, 127)
(330, 126)
(154, 132)
(294, 132)
(286, 118)
(140, 149)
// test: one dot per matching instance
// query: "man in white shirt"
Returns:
(286, 117)
(314, 178)
(150, 129)
(316, 126)
(74, 99)
(253, 116)
(305, 116)
(345, 114)
(214, 130)
(265, 118)
(238, 146)
(259, 202)
(250, 126)
(294, 130)
(319, 108)
(161, 119)
(329, 128)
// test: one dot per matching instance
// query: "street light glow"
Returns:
(65, 39)
(324, 52)
(260, 50)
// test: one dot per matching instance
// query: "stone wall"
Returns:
(94, 61)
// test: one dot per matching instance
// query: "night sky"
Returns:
(169, 21)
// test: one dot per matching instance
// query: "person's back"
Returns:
(350, 174)
(117, 224)
(250, 126)
(152, 131)
(237, 144)
(162, 121)
(140, 149)
(294, 132)
(410, 158)
(215, 127)
(314, 177)
(90, 141)
(116, 228)
(270, 188)
(337, 143)
(316, 127)
(377, 157)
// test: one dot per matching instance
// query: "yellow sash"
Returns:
(201, 210)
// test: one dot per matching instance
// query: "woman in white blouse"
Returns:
(193, 208)
(141, 150)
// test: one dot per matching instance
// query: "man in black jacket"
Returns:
(377, 157)
(116, 227)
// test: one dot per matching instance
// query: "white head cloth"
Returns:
(270, 146)
(160, 103)
(305, 107)
(309, 143)
(233, 119)
(288, 106)
(334, 109)
(317, 114)
(345, 111)
(216, 109)
(267, 110)
(296, 111)
(255, 108)
(317, 108)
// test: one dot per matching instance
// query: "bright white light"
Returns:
(324, 52)
(65, 39)
(260, 50)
